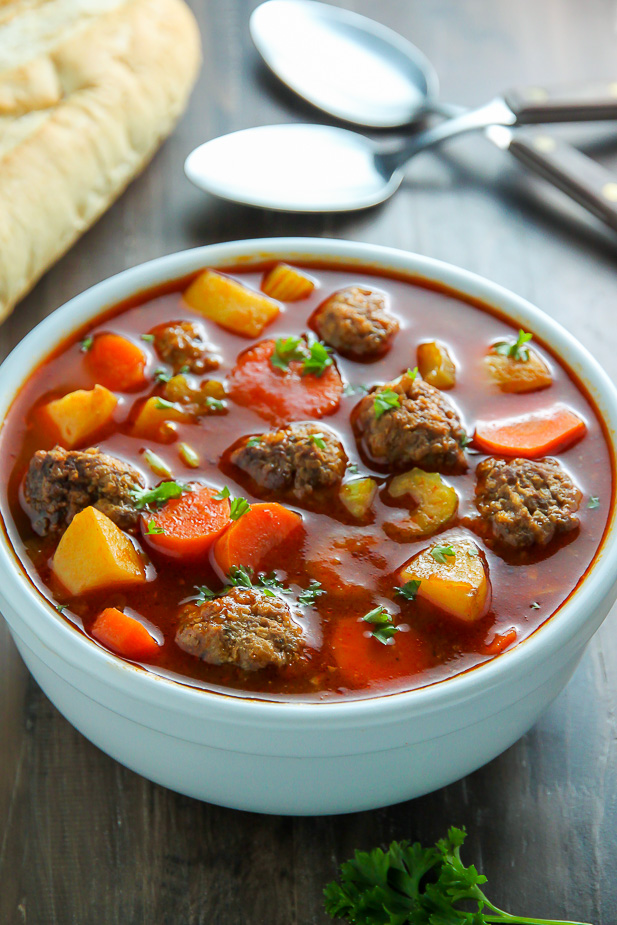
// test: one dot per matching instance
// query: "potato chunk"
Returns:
(78, 415)
(437, 503)
(94, 553)
(358, 495)
(512, 375)
(436, 365)
(230, 304)
(287, 284)
(153, 414)
(453, 577)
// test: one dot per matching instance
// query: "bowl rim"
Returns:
(574, 618)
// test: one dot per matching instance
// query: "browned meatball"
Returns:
(299, 460)
(526, 501)
(243, 627)
(61, 483)
(182, 344)
(410, 423)
(355, 322)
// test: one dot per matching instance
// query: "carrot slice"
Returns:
(248, 540)
(117, 362)
(124, 635)
(531, 435)
(500, 642)
(365, 661)
(189, 524)
(283, 395)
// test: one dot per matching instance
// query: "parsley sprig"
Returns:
(315, 355)
(308, 596)
(412, 885)
(146, 497)
(409, 589)
(441, 553)
(237, 506)
(516, 350)
(382, 623)
(386, 400)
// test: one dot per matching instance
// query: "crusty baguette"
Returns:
(88, 91)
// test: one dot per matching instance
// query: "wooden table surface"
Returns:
(84, 841)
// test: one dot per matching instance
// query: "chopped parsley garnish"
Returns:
(386, 400)
(86, 344)
(594, 502)
(441, 553)
(466, 441)
(162, 404)
(161, 375)
(353, 468)
(317, 361)
(238, 507)
(204, 593)
(144, 497)
(412, 373)
(381, 620)
(413, 885)
(534, 605)
(515, 350)
(350, 389)
(409, 589)
(318, 440)
(287, 349)
(222, 494)
(240, 576)
(254, 441)
(270, 583)
(154, 529)
(148, 337)
(308, 596)
(61, 607)
(215, 404)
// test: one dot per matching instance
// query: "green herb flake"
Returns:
(161, 375)
(386, 400)
(409, 589)
(287, 349)
(441, 553)
(204, 593)
(412, 373)
(534, 605)
(254, 441)
(594, 502)
(352, 468)
(215, 404)
(222, 494)
(86, 344)
(317, 361)
(358, 389)
(147, 337)
(318, 440)
(381, 620)
(154, 529)
(240, 576)
(269, 584)
(144, 497)
(412, 885)
(466, 441)
(308, 596)
(238, 507)
(61, 608)
(161, 404)
(515, 350)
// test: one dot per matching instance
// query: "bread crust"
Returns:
(83, 107)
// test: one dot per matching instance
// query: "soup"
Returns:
(306, 483)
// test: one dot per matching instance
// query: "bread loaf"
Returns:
(88, 91)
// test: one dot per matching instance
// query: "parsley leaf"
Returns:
(154, 529)
(516, 350)
(440, 553)
(61, 608)
(318, 440)
(386, 400)
(409, 589)
(86, 344)
(412, 373)
(215, 404)
(143, 497)
(223, 493)
(238, 507)
(466, 441)
(413, 885)
(162, 404)
(308, 596)
(204, 593)
(240, 576)
(161, 375)
(352, 468)
(147, 337)
(287, 349)
(270, 583)
(381, 619)
(254, 441)
(318, 360)
(594, 502)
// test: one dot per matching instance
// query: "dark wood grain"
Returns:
(84, 841)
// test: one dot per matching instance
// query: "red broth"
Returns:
(527, 588)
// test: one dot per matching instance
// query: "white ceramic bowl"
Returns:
(300, 758)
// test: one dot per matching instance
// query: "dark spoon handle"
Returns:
(583, 103)
(570, 170)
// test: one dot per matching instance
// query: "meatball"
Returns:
(526, 501)
(243, 627)
(409, 422)
(61, 483)
(355, 322)
(299, 460)
(182, 344)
